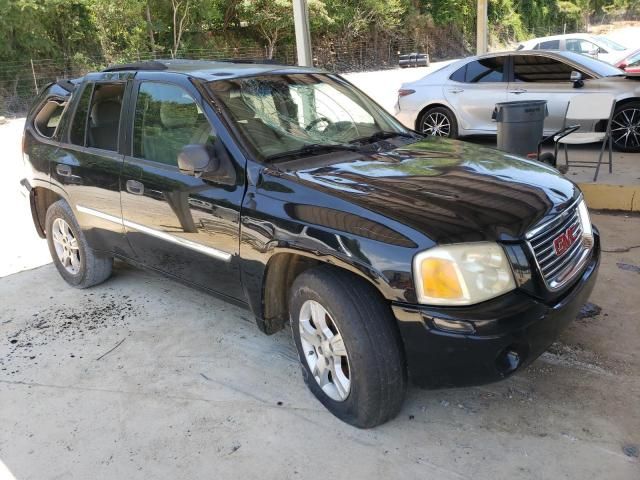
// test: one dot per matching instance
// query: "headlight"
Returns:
(462, 274)
(585, 221)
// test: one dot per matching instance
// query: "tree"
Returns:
(120, 27)
(273, 19)
(180, 10)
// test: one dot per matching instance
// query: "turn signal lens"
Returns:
(440, 279)
(462, 274)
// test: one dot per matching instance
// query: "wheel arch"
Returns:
(281, 270)
(429, 106)
(40, 199)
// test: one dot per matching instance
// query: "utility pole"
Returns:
(482, 33)
(303, 36)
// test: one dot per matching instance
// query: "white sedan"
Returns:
(596, 46)
(458, 99)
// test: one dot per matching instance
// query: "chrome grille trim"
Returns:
(557, 271)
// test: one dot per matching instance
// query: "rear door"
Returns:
(87, 166)
(473, 91)
(538, 77)
(184, 226)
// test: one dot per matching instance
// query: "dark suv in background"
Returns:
(288, 191)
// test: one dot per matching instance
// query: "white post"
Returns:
(482, 33)
(303, 36)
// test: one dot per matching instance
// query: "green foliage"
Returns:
(107, 31)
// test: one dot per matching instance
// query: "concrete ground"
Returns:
(142, 377)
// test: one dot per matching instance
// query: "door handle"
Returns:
(63, 170)
(518, 91)
(135, 187)
(456, 90)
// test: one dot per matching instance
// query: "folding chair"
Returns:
(588, 106)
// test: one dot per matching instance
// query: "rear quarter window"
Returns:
(48, 117)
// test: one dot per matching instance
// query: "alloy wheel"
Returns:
(625, 128)
(324, 349)
(436, 124)
(66, 245)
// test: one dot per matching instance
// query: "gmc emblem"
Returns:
(563, 242)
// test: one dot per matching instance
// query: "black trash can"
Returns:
(520, 125)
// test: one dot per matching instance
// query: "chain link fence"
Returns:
(21, 81)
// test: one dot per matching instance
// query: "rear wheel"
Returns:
(349, 347)
(625, 127)
(438, 122)
(76, 262)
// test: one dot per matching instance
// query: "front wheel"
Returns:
(438, 122)
(625, 127)
(349, 347)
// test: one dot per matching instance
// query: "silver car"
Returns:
(458, 99)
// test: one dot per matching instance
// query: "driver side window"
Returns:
(167, 119)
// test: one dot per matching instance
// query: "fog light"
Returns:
(508, 361)
(454, 326)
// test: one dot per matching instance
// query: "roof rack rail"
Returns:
(150, 65)
(264, 61)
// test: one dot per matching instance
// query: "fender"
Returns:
(280, 261)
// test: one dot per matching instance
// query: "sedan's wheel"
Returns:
(76, 262)
(625, 127)
(349, 347)
(438, 122)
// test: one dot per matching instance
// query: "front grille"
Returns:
(558, 270)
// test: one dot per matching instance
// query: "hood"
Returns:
(448, 190)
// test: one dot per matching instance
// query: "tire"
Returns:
(76, 262)
(625, 127)
(438, 116)
(373, 363)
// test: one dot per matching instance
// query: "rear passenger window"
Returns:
(167, 119)
(104, 116)
(47, 119)
(79, 124)
(481, 71)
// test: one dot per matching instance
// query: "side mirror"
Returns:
(594, 52)
(195, 160)
(622, 65)
(576, 78)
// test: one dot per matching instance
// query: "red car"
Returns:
(631, 63)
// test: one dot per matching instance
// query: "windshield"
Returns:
(277, 114)
(610, 43)
(600, 68)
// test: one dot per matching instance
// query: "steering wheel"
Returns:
(315, 122)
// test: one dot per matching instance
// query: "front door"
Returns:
(537, 77)
(185, 226)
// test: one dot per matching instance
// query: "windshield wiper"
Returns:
(381, 135)
(315, 149)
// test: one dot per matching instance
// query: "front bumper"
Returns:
(511, 331)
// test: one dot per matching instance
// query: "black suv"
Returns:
(290, 192)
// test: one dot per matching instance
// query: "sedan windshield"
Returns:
(282, 115)
(600, 68)
(610, 43)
